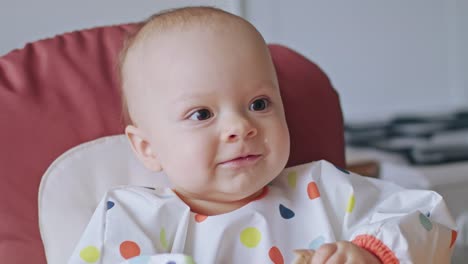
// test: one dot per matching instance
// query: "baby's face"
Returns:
(212, 114)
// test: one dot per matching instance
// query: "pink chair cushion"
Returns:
(312, 107)
(60, 92)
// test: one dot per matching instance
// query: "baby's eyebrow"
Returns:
(266, 85)
(187, 98)
(191, 96)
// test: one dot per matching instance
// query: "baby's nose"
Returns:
(238, 129)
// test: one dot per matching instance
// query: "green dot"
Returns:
(351, 203)
(292, 179)
(162, 238)
(425, 222)
(189, 260)
(89, 254)
(250, 237)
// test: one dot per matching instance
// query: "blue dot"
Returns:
(341, 169)
(316, 243)
(171, 262)
(110, 204)
(425, 222)
(285, 212)
(139, 260)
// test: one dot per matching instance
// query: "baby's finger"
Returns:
(337, 258)
(324, 252)
(303, 256)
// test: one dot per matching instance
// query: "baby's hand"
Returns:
(336, 253)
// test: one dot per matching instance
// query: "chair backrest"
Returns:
(60, 92)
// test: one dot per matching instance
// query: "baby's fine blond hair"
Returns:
(164, 21)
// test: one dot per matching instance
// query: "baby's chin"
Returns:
(248, 196)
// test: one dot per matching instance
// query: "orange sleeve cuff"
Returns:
(376, 247)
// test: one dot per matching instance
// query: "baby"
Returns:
(205, 107)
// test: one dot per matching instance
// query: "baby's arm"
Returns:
(339, 252)
(394, 224)
(396, 238)
(117, 234)
(410, 226)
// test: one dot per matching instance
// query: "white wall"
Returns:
(22, 21)
(461, 50)
(384, 57)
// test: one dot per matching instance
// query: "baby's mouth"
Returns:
(242, 161)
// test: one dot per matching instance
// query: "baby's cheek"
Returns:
(192, 164)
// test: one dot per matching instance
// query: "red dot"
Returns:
(129, 249)
(276, 256)
(200, 218)
(454, 238)
(313, 191)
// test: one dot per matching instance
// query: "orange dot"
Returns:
(200, 218)
(313, 191)
(276, 256)
(129, 249)
(262, 194)
(454, 238)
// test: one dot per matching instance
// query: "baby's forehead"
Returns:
(162, 51)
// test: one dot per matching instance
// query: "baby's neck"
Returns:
(210, 208)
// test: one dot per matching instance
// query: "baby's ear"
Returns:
(142, 148)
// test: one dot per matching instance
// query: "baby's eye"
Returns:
(201, 114)
(259, 104)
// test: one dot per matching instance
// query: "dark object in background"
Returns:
(420, 139)
(367, 168)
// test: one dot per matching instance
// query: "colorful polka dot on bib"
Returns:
(285, 212)
(425, 222)
(200, 218)
(341, 169)
(129, 249)
(454, 238)
(292, 179)
(351, 202)
(316, 243)
(250, 237)
(162, 238)
(275, 255)
(110, 204)
(189, 260)
(313, 191)
(90, 254)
